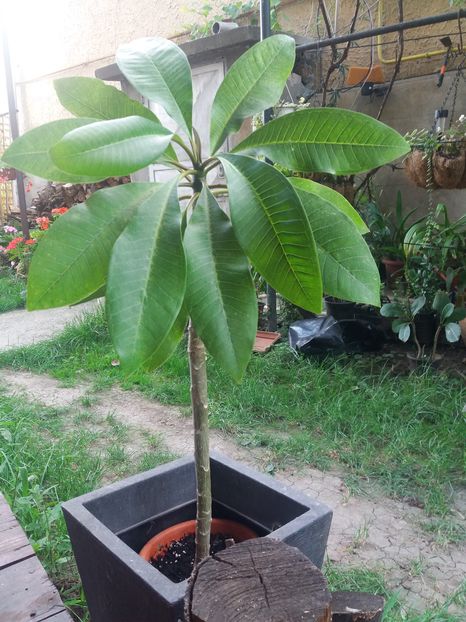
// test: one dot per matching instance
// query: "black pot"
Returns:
(425, 324)
(109, 526)
(345, 310)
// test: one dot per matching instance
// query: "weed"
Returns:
(12, 291)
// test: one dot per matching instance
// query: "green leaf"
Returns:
(111, 148)
(160, 71)
(326, 140)
(147, 281)
(71, 262)
(220, 292)
(90, 97)
(441, 299)
(346, 263)
(458, 315)
(392, 309)
(328, 198)
(417, 304)
(30, 152)
(404, 332)
(254, 82)
(452, 332)
(446, 311)
(273, 230)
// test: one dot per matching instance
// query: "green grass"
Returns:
(44, 461)
(365, 580)
(12, 291)
(403, 433)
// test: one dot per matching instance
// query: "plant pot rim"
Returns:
(157, 545)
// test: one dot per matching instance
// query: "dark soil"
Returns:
(177, 562)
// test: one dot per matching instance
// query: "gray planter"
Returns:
(109, 526)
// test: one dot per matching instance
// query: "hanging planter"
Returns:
(448, 170)
(416, 168)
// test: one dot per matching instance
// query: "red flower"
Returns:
(43, 223)
(14, 243)
(31, 241)
(59, 211)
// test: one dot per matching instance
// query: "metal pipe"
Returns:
(13, 119)
(266, 31)
(392, 61)
(381, 30)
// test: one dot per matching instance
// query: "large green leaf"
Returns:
(254, 82)
(348, 268)
(111, 148)
(159, 70)
(327, 197)
(326, 140)
(71, 262)
(220, 293)
(273, 230)
(147, 281)
(90, 97)
(30, 152)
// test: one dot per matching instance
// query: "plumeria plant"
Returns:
(163, 263)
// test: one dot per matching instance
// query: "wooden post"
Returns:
(356, 607)
(257, 581)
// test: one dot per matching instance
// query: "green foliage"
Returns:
(129, 242)
(230, 11)
(12, 291)
(253, 83)
(317, 140)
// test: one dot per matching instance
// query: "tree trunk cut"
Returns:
(259, 580)
(356, 607)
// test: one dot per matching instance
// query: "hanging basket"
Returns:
(416, 167)
(448, 171)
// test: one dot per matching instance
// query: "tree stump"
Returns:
(356, 607)
(260, 580)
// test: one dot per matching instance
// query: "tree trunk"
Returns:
(198, 373)
(257, 580)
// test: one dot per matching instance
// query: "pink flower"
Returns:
(10, 229)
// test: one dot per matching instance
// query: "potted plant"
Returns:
(160, 262)
(387, 235)
(404, 314)
(438, 158)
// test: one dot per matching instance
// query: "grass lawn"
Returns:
(12, 291)
(403, 433)
(45, 459)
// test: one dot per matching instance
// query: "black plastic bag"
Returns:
(326, 335)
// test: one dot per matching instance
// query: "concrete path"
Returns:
(22, 328)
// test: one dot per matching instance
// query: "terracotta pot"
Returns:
(393, 269)
(448, 172)
(159, 543)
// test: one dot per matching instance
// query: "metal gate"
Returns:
(6, 186)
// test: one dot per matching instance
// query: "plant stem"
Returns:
(434, 347)
(416, 341)
(198, 372)
(176, 139)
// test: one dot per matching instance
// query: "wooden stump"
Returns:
(356, 607)
(260, 580)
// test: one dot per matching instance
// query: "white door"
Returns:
(206, 80)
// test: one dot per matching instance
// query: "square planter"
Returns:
(109, 526)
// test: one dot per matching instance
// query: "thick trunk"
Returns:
(198, 371)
